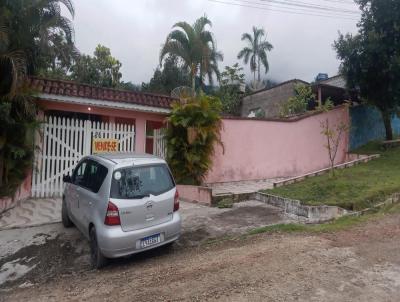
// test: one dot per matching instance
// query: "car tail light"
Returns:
(112, 215)
(176, 201)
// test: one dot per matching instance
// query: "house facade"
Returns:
(269, 100)
(74, 116)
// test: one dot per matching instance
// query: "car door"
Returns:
(77, 182)
(89, 197)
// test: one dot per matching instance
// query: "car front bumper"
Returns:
(114, 242)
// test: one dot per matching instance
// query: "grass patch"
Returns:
(353, 188)
(225, 203)
(335, 225)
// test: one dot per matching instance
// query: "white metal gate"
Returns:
(63, 143)
(159, 143)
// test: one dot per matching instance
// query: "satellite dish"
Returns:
(256, 85)
(183, 93)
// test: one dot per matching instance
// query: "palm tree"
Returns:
(256, 51)
(31, 33)
(195, 46)
(13, 61)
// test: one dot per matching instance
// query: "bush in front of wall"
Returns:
(17, 132)
(298, 103)
(193, 130)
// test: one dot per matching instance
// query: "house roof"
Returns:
(278, 85)
(337, 81)
(84, 91)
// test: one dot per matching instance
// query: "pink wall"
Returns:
(23, 192)
(202, 195)
(140, 117)
(259, 149)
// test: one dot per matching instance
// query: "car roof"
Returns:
(129, 158)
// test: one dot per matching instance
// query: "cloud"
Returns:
(136, 29)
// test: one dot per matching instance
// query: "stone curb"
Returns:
(312, 214)
(318, 214)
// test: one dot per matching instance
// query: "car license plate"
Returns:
(150, 240)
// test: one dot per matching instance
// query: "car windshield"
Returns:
(138, 182)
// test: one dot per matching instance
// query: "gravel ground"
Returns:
(359, 264)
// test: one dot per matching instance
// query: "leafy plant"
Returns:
(229, 91)
(298, 103)
(193, 130)
(232, 75)
(370, 60)
(333, 135)
(17, 132)
(225, 203)
(326, 106)
(34, 35)
(256, 51)
(260, 113)
(101, 70)
(196, 47)
(171, 76)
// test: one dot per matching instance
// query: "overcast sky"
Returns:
(136, 29)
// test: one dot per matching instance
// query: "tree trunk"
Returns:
(193, 83)
(193, 77)
(1, 169)
(386, 116)
(258, 67)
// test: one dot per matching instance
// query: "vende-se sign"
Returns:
(102, 145)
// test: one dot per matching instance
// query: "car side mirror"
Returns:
(67, 178)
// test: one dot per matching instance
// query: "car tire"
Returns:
(97, 259)
(66, 221)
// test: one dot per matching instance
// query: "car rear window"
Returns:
(137, 182)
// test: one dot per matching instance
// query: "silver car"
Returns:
(123, 203)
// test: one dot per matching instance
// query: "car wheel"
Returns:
(66, 221)
(97, 259)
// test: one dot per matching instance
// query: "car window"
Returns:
(137, 182)
(78, 178)
(95, 175)
(90, 175)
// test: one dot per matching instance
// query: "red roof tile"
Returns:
(74, 89)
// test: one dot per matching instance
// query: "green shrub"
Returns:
(298, 103)
(18, 126)
(225, 203)
(193, 130)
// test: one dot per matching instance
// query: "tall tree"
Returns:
(101, 70)
(196, 47)
(371, 58)
(171, 76)
(256, 51)
(229, 91)
(30, 33)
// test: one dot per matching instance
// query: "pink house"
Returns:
(75, 114)
(70, 99)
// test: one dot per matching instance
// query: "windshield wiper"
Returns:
(140, 196)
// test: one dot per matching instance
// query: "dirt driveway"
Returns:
(359, 264)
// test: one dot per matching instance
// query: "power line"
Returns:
(293, 9)
(311, 6)
(287, 10)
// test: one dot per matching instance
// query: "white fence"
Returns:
(63, 143)
(159, 143)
